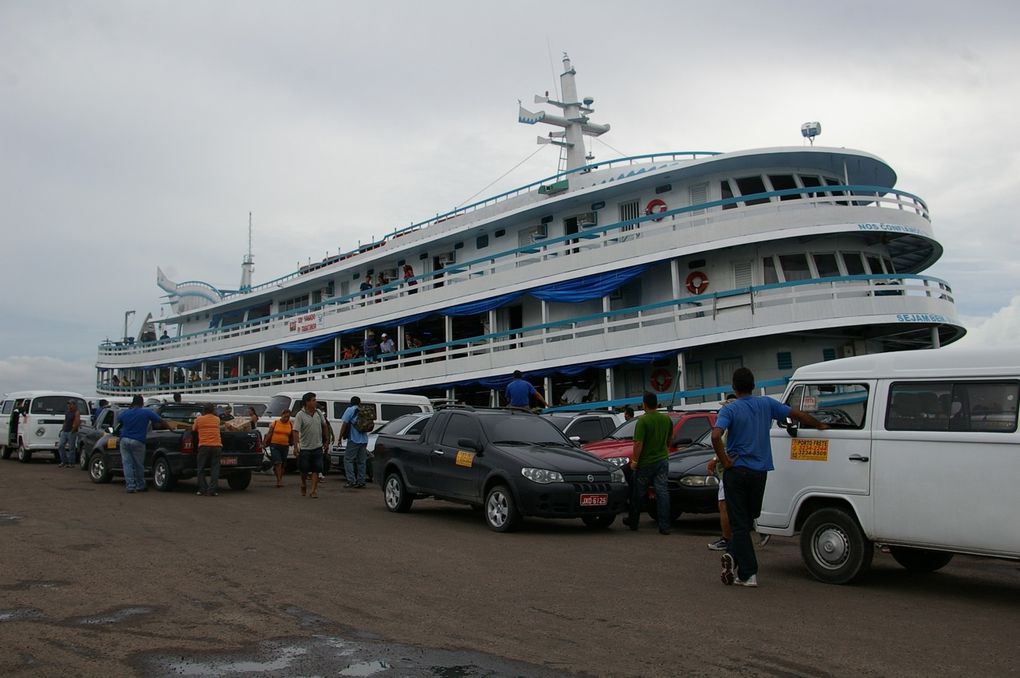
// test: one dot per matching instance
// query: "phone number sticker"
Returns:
(809, 450)
(465, 458)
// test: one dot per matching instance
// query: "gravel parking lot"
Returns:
(95, 581)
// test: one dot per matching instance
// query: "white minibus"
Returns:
(922, 457)
(32, 421)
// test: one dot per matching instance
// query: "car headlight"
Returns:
(618, 461)
(618, 476)
(542, 476)
(699, 481)
(40, 432)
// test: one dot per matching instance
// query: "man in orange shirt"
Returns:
(210, 445)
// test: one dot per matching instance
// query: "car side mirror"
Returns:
(791, 426)
(575, 439)
(469, 444)
(109, 429)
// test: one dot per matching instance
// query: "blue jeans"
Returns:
(132, 457)
(656, 475)
(745, 490)
(355, 455)
(68, 440)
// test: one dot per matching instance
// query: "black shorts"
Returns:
(310, 461)
(279, 453)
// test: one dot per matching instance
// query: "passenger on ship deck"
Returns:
(366, 285)
(573, 395)
(408, 275)
(387, 345)
(520, 392)
(370, 347)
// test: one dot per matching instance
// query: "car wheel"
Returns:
(599, 522)
(834, 548)
(97, 468)
(395, 494)
(24, 456)
(239, 481)
(920, 560)
(5, 452)
(501, 512)
(162, 475)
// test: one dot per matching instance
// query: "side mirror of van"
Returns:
(791, 427)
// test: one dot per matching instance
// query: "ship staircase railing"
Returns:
(686, 315)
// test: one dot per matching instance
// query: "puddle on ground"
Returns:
(24, 585)
(113, 616)
(19, 614)
(335, 655)
(8, 518)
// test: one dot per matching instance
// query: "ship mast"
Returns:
(574, 121)
(248, 263)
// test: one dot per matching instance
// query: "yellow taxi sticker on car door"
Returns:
(466, 459)
(809, 450)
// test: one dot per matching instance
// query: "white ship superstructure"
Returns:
(658, 272)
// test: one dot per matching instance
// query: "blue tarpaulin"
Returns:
(588, 287)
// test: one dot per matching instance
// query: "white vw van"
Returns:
(923, 456)
(32, 421)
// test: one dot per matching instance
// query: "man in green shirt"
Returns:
(650, 463)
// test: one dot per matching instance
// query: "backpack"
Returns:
(365, 419)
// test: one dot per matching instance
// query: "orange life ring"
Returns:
(697, 282)
(661, 379)
(655, 206)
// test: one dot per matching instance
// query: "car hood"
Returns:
(604, 449)
(562, 459)
(690, 461)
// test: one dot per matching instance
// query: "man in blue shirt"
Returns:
(520, 392)
(134, 423)
(356, 450)
(747, 458)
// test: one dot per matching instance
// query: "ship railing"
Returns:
(688, 219)
(687, 314)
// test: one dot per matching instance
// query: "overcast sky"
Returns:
(137, 134)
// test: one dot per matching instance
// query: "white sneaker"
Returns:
(751, 581)
(764, 539)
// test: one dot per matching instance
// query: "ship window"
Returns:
(828, 354)
(810, 182)
(795, 267)
(500, 233)
(768, 267)
(854, 264)
(629, 210)
(699, 195)
(750, 186)
(836, 182)
(725, 192)
(826, 265)
(784, 360)
(888, 265)
(782, 182)
(458, 245)
(875, 264)
(482, 242)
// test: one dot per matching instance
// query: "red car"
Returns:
(688, 426)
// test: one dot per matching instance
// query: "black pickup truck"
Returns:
(508, 463)
(172, 455)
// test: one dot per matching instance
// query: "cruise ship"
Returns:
(661, 272)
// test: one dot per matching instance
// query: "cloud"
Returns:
(30, 373)
(999, 331)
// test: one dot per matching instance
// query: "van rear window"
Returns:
(980, 406)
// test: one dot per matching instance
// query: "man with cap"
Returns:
(387, 345)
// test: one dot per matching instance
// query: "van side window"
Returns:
(989, 407)
(842, 406)
(391, 411)
(8, 405)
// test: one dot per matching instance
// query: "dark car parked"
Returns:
(172, 455)
(508, 463)
(585, 427)
(692, 489)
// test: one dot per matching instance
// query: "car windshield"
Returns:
(625, 431)
(184, 412)
(57, 405)
(398, 424)
(277, 405)
(522, 430)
